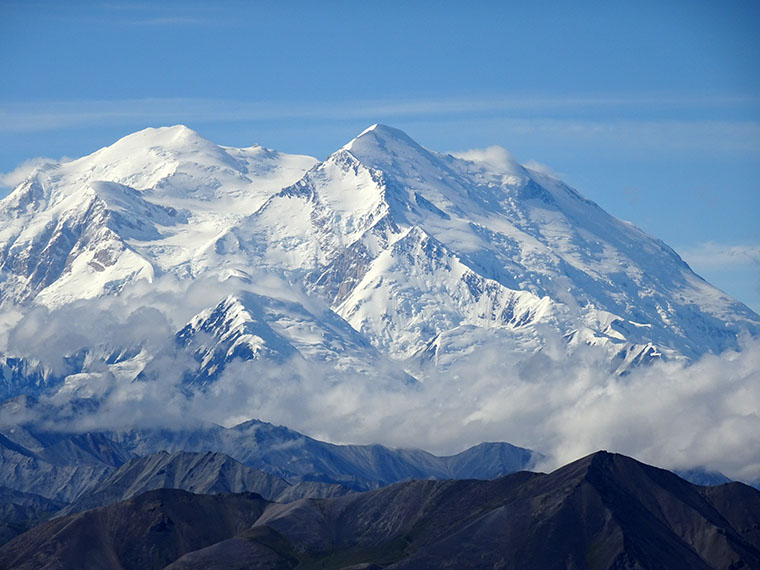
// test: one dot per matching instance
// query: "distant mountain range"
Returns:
(605, 511)
(47, 473)
(31, 458)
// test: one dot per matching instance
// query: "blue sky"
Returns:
(652, 109)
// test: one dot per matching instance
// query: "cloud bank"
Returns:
(670, 414)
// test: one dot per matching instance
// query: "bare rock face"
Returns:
(146, 532)
(206, 473)
(605, 511)
(59, 466)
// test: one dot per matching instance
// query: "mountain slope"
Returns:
(603, 512)
(145, 532)
(296, 457)
(21, 511)
(58, 466)
(601, 279)
(201, 473)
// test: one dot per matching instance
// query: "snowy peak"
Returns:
(28, 197)
(149, 202)
(146, 158)
(419, 182)
(179, 143)
(249, 326)
(396, 154)
(176, 163)
(384, 249)
(234, 329)
(408, 170)
(382, 142)
(177, 139)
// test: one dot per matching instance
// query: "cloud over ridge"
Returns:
(673, 414)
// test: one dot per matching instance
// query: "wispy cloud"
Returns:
(168, 21)
(719, 255)
(18, 174)
(549, 118)
(494, 156)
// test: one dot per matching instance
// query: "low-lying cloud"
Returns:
(671, 414)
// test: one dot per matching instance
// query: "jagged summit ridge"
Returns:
(249, 326)
(418, 254)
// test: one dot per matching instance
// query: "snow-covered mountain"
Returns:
(248, 326)
(143, 206)
(383, 251)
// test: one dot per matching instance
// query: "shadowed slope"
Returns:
(602, 512)
(146, 532)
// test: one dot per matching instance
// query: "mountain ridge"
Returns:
(335, 220)
(48, 462)
(604, 511)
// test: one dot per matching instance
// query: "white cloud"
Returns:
(720, 255)
(500, 159)
(17, 175)
(670, 414)
(495, 157)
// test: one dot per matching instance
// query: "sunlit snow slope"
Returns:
(406, 253)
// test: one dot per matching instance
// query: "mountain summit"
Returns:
(423, 255)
